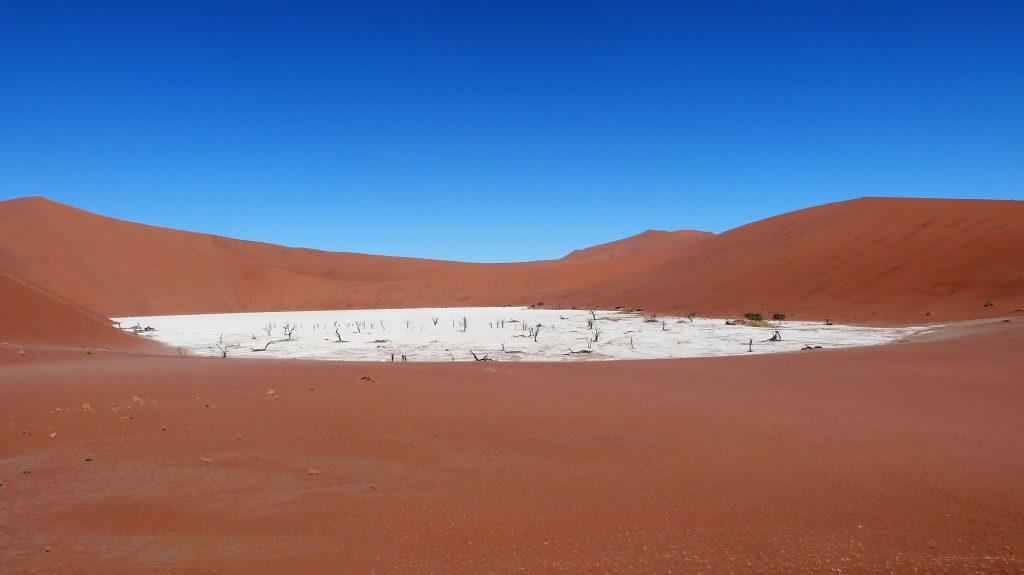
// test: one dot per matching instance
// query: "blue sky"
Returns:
(502, 131)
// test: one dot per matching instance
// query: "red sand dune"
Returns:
(906, 458)
(31, 317)
(648, 242)
(900, 258)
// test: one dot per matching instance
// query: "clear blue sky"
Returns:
(498, 131)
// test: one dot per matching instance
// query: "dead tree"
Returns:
(434, 319)
(597, 334)
(337, 333)
(289, 329)
(224, 348)
(264, 348)
(464, 323)
(691, 315)
(476, 358)
(776, 336)
(664, 324)
(269, 328)
(593, 315)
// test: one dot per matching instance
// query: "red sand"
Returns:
(651, 241)
(31, 317)
(872, 259)
(867, 260)
(900, 458)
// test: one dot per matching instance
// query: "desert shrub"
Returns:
(753, 316)
(990, 303)
(778, 316)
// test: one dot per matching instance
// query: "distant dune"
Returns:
(648, 242)
(868, 260)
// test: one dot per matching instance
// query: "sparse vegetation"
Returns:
(778, 316)
(990, 303)
(753, 316)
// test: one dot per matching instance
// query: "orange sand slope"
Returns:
(31, 317)
(651, 241)
(898, 257)
(901, 458)
(866, 260)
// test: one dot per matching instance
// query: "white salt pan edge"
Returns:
(412, 332)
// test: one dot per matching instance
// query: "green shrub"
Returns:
(778, 316)
(990, 303)
(753, 316)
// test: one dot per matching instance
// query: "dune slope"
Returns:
(643, 243)
(32, 317)
(871, 260)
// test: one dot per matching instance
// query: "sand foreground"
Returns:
(897, 458)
